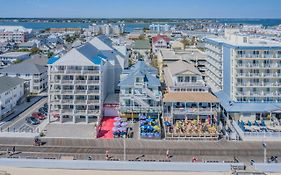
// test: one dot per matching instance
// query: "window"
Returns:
(187, 79)
(193, 79)
(180, 79)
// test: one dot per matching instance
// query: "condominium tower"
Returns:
(245, 73)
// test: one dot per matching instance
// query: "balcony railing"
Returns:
(93, 81)
(69, 111)
(93, 91)
(80, 101)
(93, 112)
(66, 81)
(91, 72)
(80, 111)
(80, 81)
(58, 71)
(80, 91)
(55, 81)
(93, 101)
(67, 101)
(66, 91)
(73, 71)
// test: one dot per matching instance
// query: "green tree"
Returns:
(50, 54)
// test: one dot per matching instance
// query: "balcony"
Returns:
(193, 110)
(80, 92)
(80, 101)
(93, 101)
(93, 81)
(73, 71)
(57, 71)
(69, 101)
(93, 92)
(81, 112)
(67, 111)
(66, 91)
(93, 112)
(55, 91)
(91, 72)
(80, 81)
(55, 100)
(55, 81)
(66, 81)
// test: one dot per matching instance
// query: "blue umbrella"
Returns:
(157, 134)
(167, 123)
(149, 120)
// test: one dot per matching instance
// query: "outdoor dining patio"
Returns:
(149, 127)
(190, 128)
(120, 128)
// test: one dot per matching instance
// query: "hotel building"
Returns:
(80, 81)
(245, 73)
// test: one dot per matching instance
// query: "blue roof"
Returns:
(140, 69)
(246, 107)
(53, 59)
(97, 59)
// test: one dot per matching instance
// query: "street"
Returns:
(18, 124)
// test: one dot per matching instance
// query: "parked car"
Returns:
(38, 115)
(46, 105)
(43, 110)
(32, 120)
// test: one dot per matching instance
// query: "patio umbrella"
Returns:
(117, 118)
(149, 120)
(156, 127)
(114, 129)
(116, 123)
(157, 134)
(144, 127)
(167, 123)
(123, 129)
(142, 117)
(150, 127)
(124, 124)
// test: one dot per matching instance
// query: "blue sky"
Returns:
(142, 8)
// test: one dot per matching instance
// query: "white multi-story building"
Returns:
(183, 76)
(106, 29)
(35, 75)
(245, 73)
(17, 34)
(80, 81)
(140, 90)
(11, 90)
(160, 27)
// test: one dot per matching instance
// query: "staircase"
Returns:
(151, 94)
(141, 102)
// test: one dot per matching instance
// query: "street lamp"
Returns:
(264, 152)
(124, 146)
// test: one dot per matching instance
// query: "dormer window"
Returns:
(138, 80)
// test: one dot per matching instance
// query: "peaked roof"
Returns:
(93, 52)
(140, 69)
(7, 83)
(158, 37)
(181, 66)
(24, 68)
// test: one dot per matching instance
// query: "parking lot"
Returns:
(20, 124)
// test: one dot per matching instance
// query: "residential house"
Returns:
(11, 91)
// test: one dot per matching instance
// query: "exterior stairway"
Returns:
(151, 94)
(141, 102)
